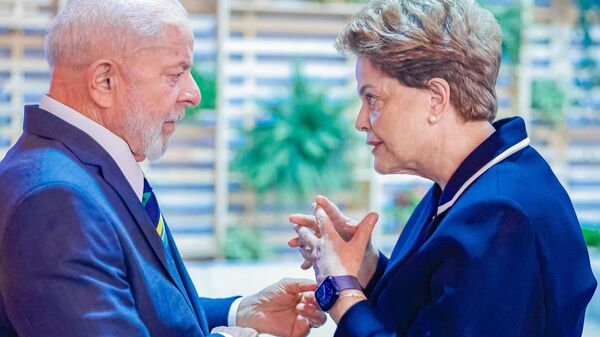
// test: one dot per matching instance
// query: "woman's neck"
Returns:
(457, 140)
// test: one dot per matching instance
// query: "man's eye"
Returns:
(371, 100)
(177, 76)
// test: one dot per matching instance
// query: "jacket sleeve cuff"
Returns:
(359, 321)
(381, 265)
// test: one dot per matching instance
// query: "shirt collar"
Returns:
(510, 137)
(116, 147)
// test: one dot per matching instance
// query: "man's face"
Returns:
(158, 89)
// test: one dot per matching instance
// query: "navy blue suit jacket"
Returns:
(78, 253)
(506, 259)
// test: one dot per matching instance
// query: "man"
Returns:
(84, 249)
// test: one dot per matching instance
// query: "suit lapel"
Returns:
(411, 238)
(44, 124)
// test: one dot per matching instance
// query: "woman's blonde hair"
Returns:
(416, 40)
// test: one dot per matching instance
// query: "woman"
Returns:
(494, 248)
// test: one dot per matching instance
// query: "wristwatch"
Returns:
(328, 291)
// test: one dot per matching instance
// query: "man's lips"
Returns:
(374, 144)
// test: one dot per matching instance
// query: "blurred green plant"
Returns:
(548, 99)
(587, 75)
(591, 237)
(511, 22)
(243, 242)
(207, 83)
(300, 149)
(404, 203)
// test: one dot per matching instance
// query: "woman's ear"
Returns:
(440, 97)
(102, 81)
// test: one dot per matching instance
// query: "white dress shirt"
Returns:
(120, 152)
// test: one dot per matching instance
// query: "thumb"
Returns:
(297, 286)
(365, 229)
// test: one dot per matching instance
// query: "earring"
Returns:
(433, 119)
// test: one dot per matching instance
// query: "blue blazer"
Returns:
(506, 257)
(78, 253)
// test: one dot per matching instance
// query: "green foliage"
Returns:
(591, 237)
(588, 72)
(245, 243)
(548, 98)
(301, 149)
(207, 83)
(511, 22)
(405, 202)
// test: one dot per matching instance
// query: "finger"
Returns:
(325, 225)
(309, 256)
(306, 237)
(330, 208)
(301, 327)
(309, 298)
(298, 286)
(306, 265)
(294, 242)
(304, 220)
(315, 316)
(365, 229)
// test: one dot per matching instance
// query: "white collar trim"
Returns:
(508, 152)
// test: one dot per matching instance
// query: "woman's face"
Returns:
(394, 117)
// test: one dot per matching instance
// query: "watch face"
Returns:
(326, 294)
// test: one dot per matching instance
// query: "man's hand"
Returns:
(234, 331)
(286, 308)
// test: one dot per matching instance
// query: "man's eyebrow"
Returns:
(362, 89)
(183, 64)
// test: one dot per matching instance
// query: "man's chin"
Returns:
(168, 128)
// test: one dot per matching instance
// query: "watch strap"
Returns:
(344, 282)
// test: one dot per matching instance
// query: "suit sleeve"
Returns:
(485, 280)
(217, 310)
(381, 265)
(62, 271)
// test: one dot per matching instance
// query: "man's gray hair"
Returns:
(83, 27)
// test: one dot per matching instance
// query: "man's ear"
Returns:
(440, 96)
(102, 82)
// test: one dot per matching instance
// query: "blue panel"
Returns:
(504, 81)
(32, 98)
(504, 102)
(34, 31)
(36, 75)
(5, 119)
(205, 34)
(34, 53)
(540, 62)
(5, 97)
(303, 58)
(542, 3)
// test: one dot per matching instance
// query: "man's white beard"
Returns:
(153, 142)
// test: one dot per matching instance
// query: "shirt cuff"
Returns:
(233, 309)
(224, 334)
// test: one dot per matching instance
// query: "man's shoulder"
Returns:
(33, 163)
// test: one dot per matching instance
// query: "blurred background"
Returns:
(276, 125)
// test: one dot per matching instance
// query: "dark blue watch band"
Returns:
(329, 290)
(346, 282)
